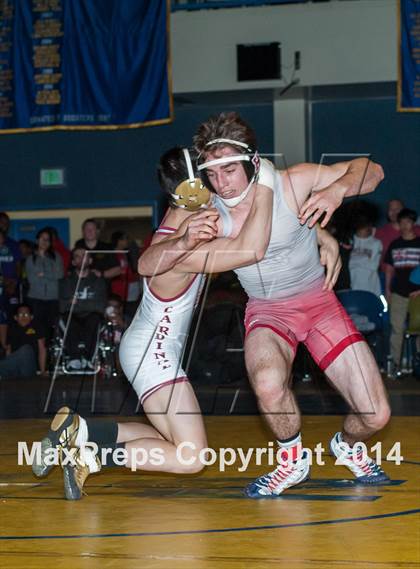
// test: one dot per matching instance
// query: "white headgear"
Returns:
(249, 156)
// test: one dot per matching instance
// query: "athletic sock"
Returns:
(82, 434)
(103, 433)
(291, 449)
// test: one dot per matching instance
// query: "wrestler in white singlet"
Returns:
(152, 347)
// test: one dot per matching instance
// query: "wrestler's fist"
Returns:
(199, 228)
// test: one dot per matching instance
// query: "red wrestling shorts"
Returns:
(315, 318)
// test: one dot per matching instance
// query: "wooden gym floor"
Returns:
(133, 520)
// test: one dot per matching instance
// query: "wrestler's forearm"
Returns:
(362, 177)
(248, 247)
(256, 230)
(322, 235)
(161, 257)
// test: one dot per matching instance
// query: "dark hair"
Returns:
(50, 251)
(172, 169)
(116, 298)
(225, 125)
(116, 236)
(53, 231)
(26, 242)
(22, 305)
(90, 220)
(362, 221)
(77, 248)
(407, 213)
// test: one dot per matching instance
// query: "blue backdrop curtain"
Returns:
(84, 64)
(409, 56)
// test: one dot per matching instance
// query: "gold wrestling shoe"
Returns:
(76, 470)
(62, 434)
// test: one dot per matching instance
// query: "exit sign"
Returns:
(52, 178)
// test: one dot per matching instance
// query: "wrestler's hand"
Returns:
(199, 228)
(330, 258)
(320, 202)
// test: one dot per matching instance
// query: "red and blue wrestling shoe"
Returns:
(283, 477)
(362, 466)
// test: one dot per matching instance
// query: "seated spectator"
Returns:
(25, 346)
(44, 269)
(365, 258)
(85, 295)
(114, 315)
(391, 230)
(402, 257)
(104, 264)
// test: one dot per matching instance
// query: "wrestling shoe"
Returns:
(283, 477)
(364, 468)
(62, 433)
(76, 472)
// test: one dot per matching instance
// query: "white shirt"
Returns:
(364, 263)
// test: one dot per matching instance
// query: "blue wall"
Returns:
(373, 126)
(114, 168)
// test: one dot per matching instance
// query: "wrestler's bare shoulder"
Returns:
(297, 172)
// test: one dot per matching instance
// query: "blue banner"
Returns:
(409, 57)
(84, 64)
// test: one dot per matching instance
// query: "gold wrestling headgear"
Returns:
(190, 194)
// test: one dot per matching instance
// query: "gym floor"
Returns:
(202, 521)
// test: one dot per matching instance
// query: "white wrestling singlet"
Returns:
(152, 348)
(291, 263)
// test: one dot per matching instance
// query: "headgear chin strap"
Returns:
(232, 202)
(191, 194)
(250, 156)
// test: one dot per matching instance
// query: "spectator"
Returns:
(26, 250)
(60, 248)
(391, 230)
(88, 294)
(9, 270)
(25, 346)
(114, 314)
(3, 316)
(402, 257)
(127, 285)
(44, 268)
(10, 258)
(365, 258)
(104, 264)
(11, 266)
(341, 232)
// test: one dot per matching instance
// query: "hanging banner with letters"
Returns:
(84, 64)
(409, 56)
